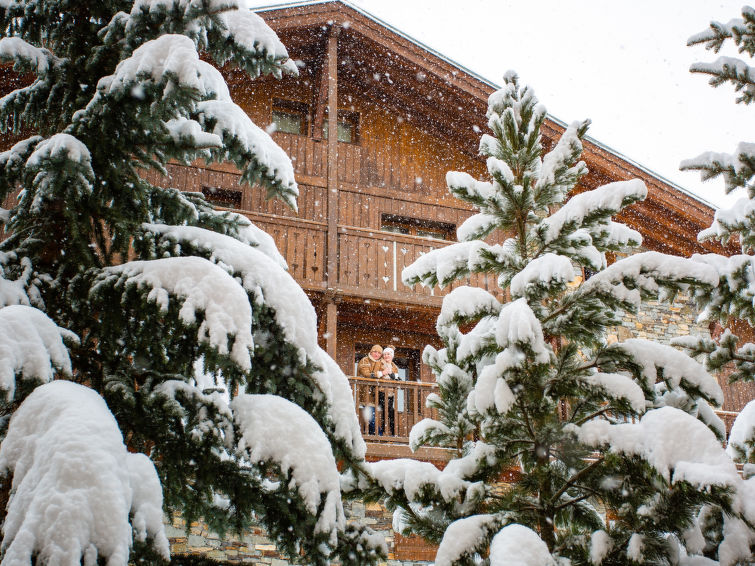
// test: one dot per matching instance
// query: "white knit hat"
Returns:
(388, 349)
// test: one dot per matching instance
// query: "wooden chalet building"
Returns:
(373, 196)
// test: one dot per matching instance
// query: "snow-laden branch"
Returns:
(252, 235)
(737, 168)
(26, 56)
(477, 340)
(735, 291)
(736, 220)
(228, 29)
(741, 30)
(517, 544)
(268, 283)
(618, 386)
(465, 537)
(591, 209)
(647, 274)
(31, 347)
(408, 478)
(63, 164)
(442, 266)
(78, 495)
(541, 274)
(19, 291)
(520, 337)
(299, 447)
(732, 70)
(675, 444)
(466, 303)
(679, 371)
(425, 431)
(742, 436)
(560, 169)
(200, 287)
(250, 148)
(518, 328)
(169, 67)
(249, 32)
(476, 227)
(168, 62)
(464, 186)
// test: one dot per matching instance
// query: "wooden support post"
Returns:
(320, 95)
(331, 325)
(332, 246)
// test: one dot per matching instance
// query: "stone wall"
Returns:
(255, 549)
(661, 322)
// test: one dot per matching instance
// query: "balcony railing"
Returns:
(374, 260)
(374, 162)
(389, 409)
(369, 261)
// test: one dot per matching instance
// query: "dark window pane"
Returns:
(225, 198)
(288, 122)
(345, 131)
(395, 229)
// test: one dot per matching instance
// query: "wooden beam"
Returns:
(331, 326)
(321, 94)
(332, 75)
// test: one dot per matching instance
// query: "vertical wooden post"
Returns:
(331, 320)
(332, 239)
(332, 56)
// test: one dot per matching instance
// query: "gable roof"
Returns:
(450, 101)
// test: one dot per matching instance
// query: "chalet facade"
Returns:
(373, 196)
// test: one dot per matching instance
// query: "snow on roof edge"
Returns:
(488, 82)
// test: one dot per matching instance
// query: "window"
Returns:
(417, 227)
(224, 198)
(348, 127)
(290, 117)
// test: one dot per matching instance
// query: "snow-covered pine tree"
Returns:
(733, 298)
(731, 302)
(615, 445)
(166, 325)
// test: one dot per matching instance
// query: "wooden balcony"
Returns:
(387, 412)
(372, 163)
(389, 409)
(369, 262)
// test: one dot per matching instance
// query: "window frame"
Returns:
(345, 118)
(409, 226)
(222, 198)
(291, 108)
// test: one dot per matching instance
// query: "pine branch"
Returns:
(590, 493)
(573, 479)
(593, 415)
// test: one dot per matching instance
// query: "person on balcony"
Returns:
(370, 366)
(389, 369)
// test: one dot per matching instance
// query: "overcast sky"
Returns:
(623, 64)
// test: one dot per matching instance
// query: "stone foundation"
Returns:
(254, 548)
